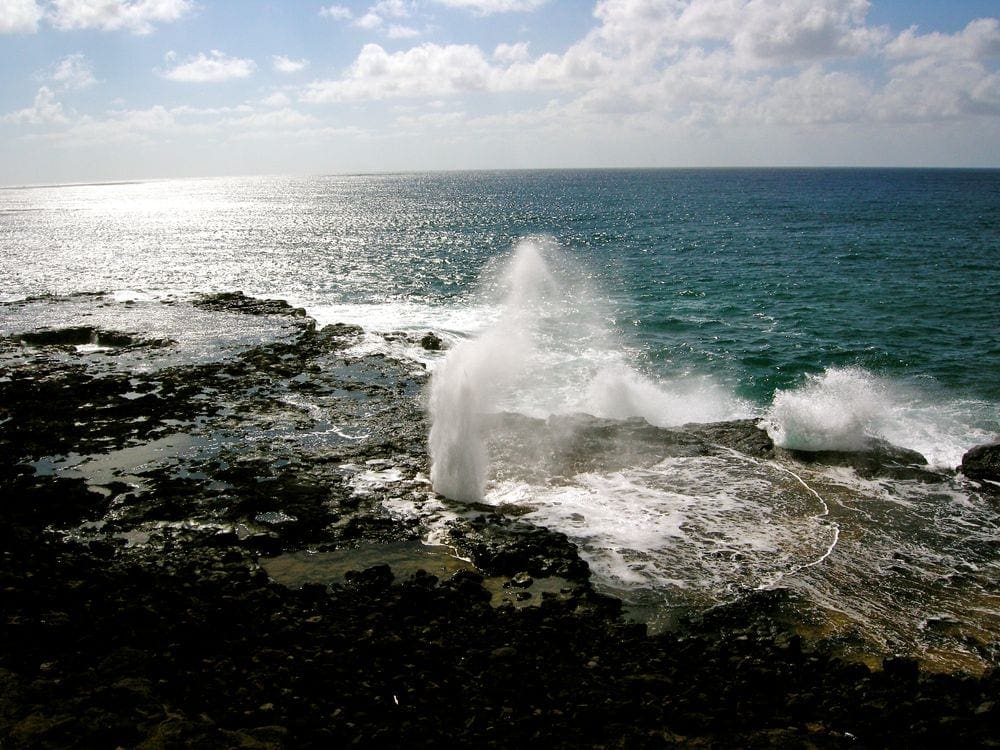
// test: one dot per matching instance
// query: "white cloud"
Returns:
(397, 31)
(44, 111)
(214, 67)
(942, 76)
(707, 63)
(930, 89)
(375, 18)
(426, 70)
(122, 126)
(755, 31)
(73, 72)
(804, 30)
(431, 119)
(336, 12)
(159, 124)
(369, 21)
(284, 64)
(392, 8)
(508, 53)
(137, 16)
(447, 70)
(489, 7)
(812, 97)
(277, 120)
(19, 16)
(979, 39)
(277, 99)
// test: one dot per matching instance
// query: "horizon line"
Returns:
(111, 181)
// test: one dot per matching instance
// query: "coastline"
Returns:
(140, 610)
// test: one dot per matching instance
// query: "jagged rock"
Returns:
(73, 336)
(982, 462)
(432, 342)
(501, 546)
(743, 435)
(241, 303)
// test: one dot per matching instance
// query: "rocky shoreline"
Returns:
(150, 475)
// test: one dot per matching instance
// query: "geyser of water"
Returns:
(552, 350)
(475, 373)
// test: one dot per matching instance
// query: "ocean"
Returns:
(839, 309)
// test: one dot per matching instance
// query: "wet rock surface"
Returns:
(880, 459)
(142, 494)
(982, 462)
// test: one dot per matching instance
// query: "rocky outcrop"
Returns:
(982, 462)
(432, 342)
(880, 458)
(241, 303)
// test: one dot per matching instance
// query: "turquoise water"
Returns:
(759, 276)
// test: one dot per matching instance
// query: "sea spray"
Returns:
(475, 373)
(841, 410)
(619, 392)
(552, 350)
(849, 408)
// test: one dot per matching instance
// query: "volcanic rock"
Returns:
(982, 462)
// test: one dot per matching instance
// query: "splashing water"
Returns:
(845, 409)
(619, 392)
(551, 351)
(467, 384)
(841, 410)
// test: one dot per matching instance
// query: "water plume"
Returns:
(552, 350)
(466, 386)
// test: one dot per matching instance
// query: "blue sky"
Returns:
(120, 89)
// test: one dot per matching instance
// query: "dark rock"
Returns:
(502, 546)
(82, 335)
(982, 462)
(504, 652)
(900, 668)
(880, 458)
(432, 342)
(136, 614)
(743, 435)
(377, 577)
(241, 303)
(60, 336)
(521, 580)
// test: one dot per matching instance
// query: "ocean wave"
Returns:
(848, 409)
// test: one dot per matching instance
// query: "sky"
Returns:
(128, 89)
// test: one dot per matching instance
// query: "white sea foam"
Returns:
(381, 321)
(846, 408)
(708, 525)
(452, 323)
(550, 350)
